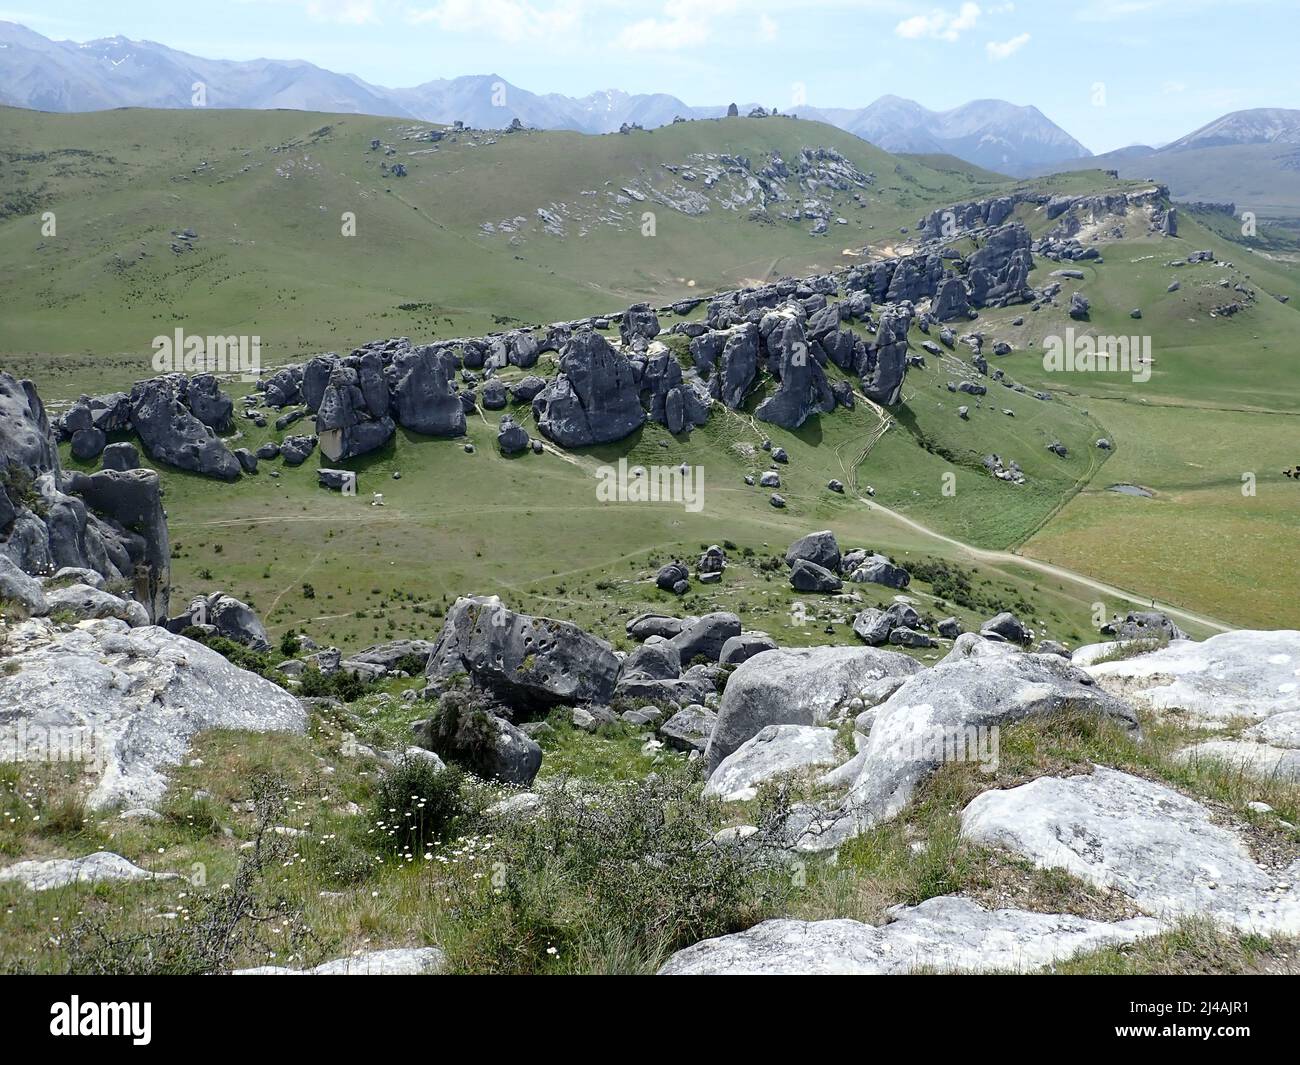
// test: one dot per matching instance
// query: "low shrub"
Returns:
(613, 879)
(417, 802)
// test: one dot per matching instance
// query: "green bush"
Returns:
(417, 803)
(462, 729)
(338, 685)
(413, 664)
(614, 878)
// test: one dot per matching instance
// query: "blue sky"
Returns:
(1110, 72)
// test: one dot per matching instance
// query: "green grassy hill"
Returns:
(265, 192)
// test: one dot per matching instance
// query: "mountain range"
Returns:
(66, 76)
(1250, 158)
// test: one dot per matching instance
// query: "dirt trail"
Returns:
(1011, 558)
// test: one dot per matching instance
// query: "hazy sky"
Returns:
(1110, 72)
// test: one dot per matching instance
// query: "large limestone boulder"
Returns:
(594, 399)
(886, 364)
(387, 655)
(396, 961)
(1246, 673)
(523, 660)
(807, 576)
(951, 707)
(345, 425)
(706, 637)
(806, 686)
(109, 522)
(132, 501)
(172, 433)
(85, 601)
(26, 441)
(18, 587)
(775, 750)
(132, 697)
(947, 933)
(804, 389)
(424, 397)
(689, 729)
(97, 868)
(1166, 852)
(1144, 625)
(820, 548)
(877, 569)
(656, 659)
(232, 618)
(488, 744)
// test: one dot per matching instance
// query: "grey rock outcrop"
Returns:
(820, 548)
(808, 686)
(689, 729)
(135, 696)
(804, 389)
(1144, 625)
(979, 684)
(594, 399)
(706, 637)
(396, 961)
(773, 751)
(423, 392)
(512, 438)
(1239, 674)
(877, 569)
(874, 626)
(98, 868)
(522, 660)
(345, 425)
(231, 618)
(807, 576)
(121, 456)
(172, 433)
(946, 933)
(1162, 849)
(886, 366)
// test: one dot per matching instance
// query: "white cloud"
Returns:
(939, 24)
(684, 24)
(514, 21)
(348, 12)
(999, 50)
(767, 28)
(1169, 88)
(341, 12)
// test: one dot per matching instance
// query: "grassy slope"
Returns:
(531, 529)
(270, 259)
(1256, 177)
(265, 192)
(1222, 402)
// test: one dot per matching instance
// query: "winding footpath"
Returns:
(1011, 558)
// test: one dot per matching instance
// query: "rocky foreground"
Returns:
(863, 728)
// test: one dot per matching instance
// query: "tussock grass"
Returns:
(617, 872)
(1191, 948)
